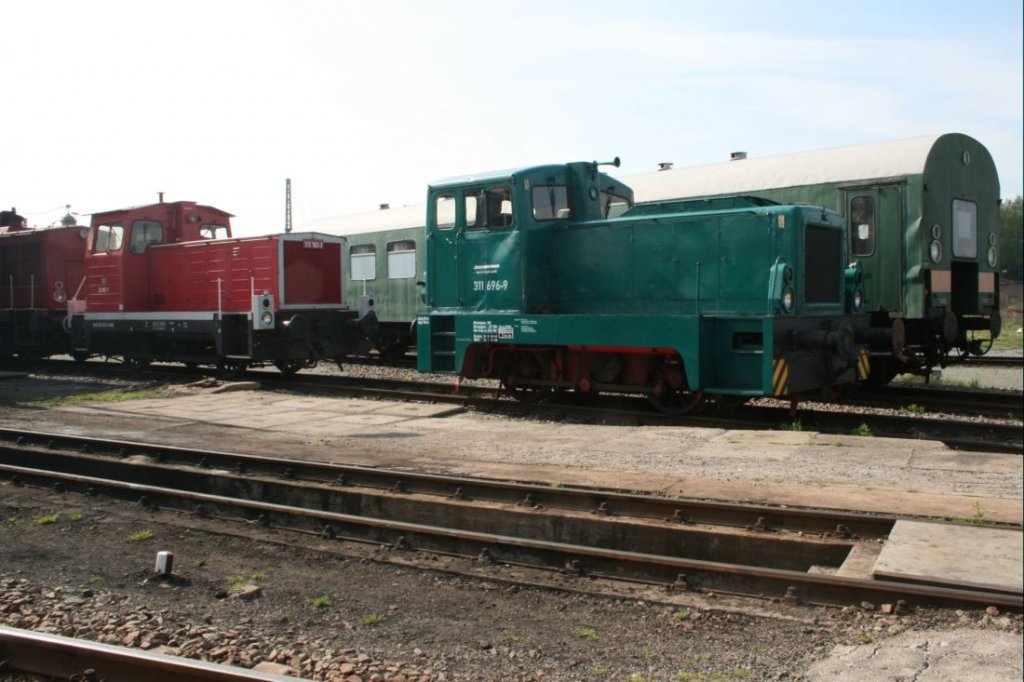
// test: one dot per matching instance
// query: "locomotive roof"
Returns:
(162, 203)
(864, 161)
(491, 176)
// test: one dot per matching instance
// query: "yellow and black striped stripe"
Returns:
(864, 365)
(780, 377)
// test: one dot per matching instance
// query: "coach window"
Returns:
(862, 226)
(444, 212)
(144, 233)
(965, 229)
(550, 202)
(211, 231)
(402, 259)
(108, 237)
(362, 261)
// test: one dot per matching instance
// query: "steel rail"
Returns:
(751, 547)
(602, 502)
(990, 361)
(958, 434)
(1002, 404)
(669, 571)
(37, 653)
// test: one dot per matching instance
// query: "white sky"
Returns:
(361, 103)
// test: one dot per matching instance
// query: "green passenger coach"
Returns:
(384, 269)
(544, 279)
(922, 216)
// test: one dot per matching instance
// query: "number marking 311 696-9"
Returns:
(490, 285)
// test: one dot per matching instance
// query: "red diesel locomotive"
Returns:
(167, 282)
(37, 266)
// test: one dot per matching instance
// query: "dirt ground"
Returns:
(83, 567)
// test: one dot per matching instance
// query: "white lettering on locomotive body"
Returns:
(527, 326)
(312, 243)
(486, 331)
(490, 285)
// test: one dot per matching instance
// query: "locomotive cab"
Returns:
(501, 223)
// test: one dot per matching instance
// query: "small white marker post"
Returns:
(164, 563)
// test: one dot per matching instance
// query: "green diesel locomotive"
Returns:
(923, 220)
(532, 280)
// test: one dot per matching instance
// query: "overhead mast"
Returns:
(287, 204)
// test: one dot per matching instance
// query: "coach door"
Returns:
(875, 228)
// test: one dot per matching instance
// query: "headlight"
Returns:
(787, 274)
(858, 299)
(992, 256)
(935, 231)
(991, 238)
(935, 251)
(267, 318)
(788, 298)
(60, 297)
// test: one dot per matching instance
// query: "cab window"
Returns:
(491, 209)
(612, 205)
(474, 217)
(550, 202)
(108, 237)
(862, 226)
(144, 233)
(499, 208)
(444, 212)
(362, 261)
(965, 229)
(211, 231)
(402, 259)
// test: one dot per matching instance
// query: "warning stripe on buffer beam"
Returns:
(780, 377)
(864, 365)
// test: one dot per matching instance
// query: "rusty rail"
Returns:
(36, 653)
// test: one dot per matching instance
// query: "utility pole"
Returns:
(288, 205)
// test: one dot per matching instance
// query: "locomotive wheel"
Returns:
(394, 351)
(677, 401)
(289, 367)
(137, 364)
(525, 366)
(79, 355)
(527, 393)
(231, 369)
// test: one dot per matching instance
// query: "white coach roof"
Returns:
(874, 160)
(374, 221)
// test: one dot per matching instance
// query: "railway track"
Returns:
(991, 361)
(921, 400)
(897, 412)
(25, 653)
(516, 532)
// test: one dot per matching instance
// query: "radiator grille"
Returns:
(823, 265)
(312, 273)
